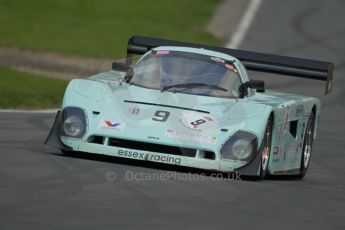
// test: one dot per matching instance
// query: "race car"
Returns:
(194, 105)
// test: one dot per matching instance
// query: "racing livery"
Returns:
(193, 105)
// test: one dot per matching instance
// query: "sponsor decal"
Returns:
(164, 159)
(131, 154)
(133, 111)
(149, 156)
(216, 59)
(190, 136)
(108, 124)
(111, 124)
(162, 52)
(231, 67)
(198, 121)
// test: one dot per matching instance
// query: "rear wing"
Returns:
(269, 63)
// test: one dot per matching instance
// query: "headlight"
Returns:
(242, 149)
(73, 122)
(240, 146)
(73, 126)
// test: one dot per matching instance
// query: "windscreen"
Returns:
(186, 72)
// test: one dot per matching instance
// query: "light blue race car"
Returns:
(193, 105)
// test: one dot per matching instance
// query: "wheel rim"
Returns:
(266, 150)
(265, 158)
(308, 143)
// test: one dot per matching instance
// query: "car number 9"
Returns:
(161, 116)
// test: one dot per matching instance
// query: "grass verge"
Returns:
(101, 28)
(29, 91)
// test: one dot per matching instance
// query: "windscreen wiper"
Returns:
(194, 85)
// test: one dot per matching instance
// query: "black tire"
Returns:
(307, 146)
(266, 149)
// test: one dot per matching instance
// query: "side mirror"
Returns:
(256, 84)
(253, 84)
(119, 66)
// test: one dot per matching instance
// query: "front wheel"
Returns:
(307, 146)
(265, 153)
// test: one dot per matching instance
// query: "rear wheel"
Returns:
(307, 146)
(266, 149)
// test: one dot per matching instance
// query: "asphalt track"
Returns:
(42, 189)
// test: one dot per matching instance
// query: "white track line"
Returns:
(243, 26)
(46, 111)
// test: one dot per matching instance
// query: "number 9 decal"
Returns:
(198, 122)
(161, 116)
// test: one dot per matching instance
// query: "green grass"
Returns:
(28, 91)
(101, 28)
